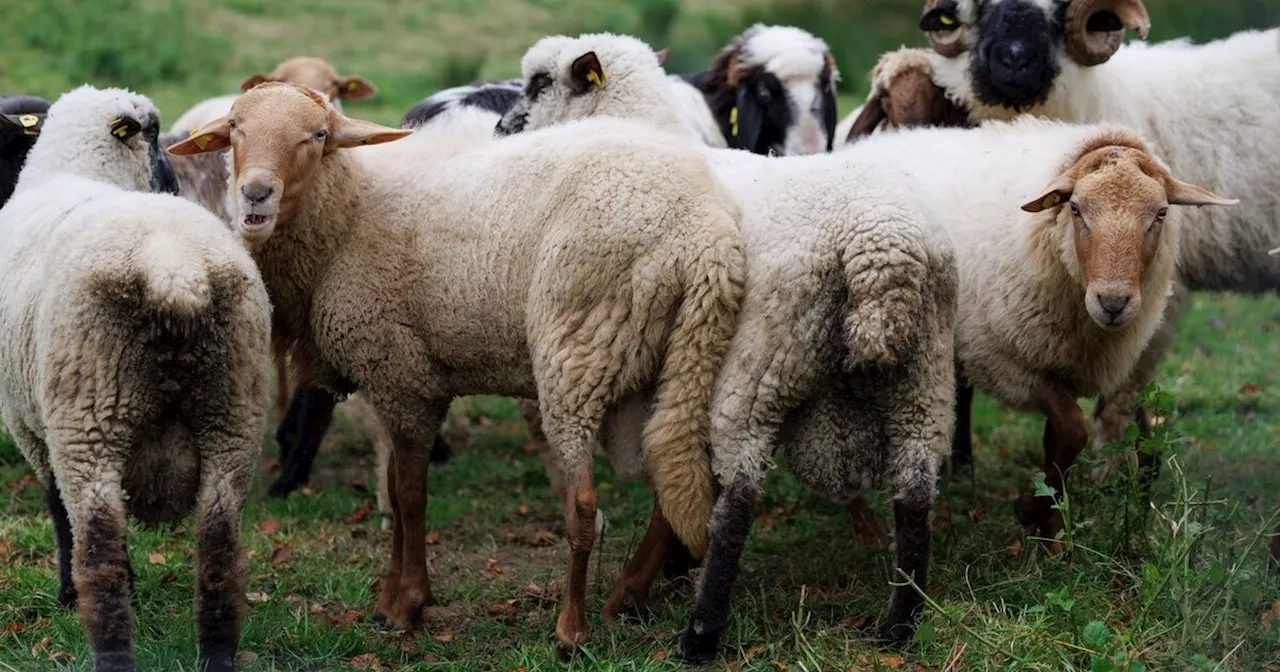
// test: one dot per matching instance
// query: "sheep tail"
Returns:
(174, 277)
(676, 439)
(886, 280)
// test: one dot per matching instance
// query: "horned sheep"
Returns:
(1065, 60)
(843, 354)
(133, 373)
(594, 336)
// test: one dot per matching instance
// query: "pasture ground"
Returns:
(1181, 582)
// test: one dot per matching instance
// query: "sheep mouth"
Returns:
(257, 221)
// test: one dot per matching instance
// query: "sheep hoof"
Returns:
(565, 652)
(67, 596)
(698, 649)
(281, 488)
(897, 635)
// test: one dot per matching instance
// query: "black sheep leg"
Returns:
(912, 541)
(962, 442)
(301, 430)
(730, 524)
(62, 535)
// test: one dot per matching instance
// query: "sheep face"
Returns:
(773, 91)
(20, 120)
(315, 73)
(1115, 199)
(278, 134)
(1016, 49)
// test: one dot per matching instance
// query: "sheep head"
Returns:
(903, 95)
(278, 134)
(1016, 48)
(773, 90)
(1115, 198)
(317, 74)
(567, 79)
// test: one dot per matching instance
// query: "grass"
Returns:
(1180, 582)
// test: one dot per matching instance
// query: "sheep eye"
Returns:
(1075, 209)
(764, 94)
(231, 123)
(322, 134)
(1162, 213)
(539, 82)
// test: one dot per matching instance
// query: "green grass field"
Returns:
(1179, 582)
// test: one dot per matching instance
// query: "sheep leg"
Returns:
(282, 386)
(631, 593)
(912, 540)
(62, 535)
(391, 583)
(730, 524)
(411, 461)
(962, 443)
(866, 524)
(99, 561)
(580, 518)
(679, 561)
(300, 434)
(1066, 432)
(220, 571)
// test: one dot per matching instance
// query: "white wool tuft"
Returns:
(788, 52)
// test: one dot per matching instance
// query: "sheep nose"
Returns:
(1012, 55)
(257, 192)
(1114, 304)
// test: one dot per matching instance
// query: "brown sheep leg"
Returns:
(867, 527)
(411, 459)
(391, 582)
(580, 516)
(1066, 432)
(631, 593)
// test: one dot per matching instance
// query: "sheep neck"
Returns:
(308, 238)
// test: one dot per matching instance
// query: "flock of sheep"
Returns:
(647, 260)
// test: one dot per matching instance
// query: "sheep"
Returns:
(1071, 66)
(903, 96)
(316, 73)
(132, 375)
(597, 267)
(482, 101)
(843, 354)
(773, 89)
(1060, 304)
(20, 120)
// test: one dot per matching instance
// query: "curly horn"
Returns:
(1093, 47)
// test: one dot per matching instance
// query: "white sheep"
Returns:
(1226, 141)
(1061, 303)
(843, 354)
(309, 71)
(596, 267)
(133, 370)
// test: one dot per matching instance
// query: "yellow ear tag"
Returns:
(1051, 200)
(28, 120)
(594, 78)
(203, 141)
(946, 20)
(193, 132)
(121, 132)
(733, 120)
(353, 85)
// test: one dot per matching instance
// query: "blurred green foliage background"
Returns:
(179, 52)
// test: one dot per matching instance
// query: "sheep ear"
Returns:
(212, 137)
(587, 72)
(124, 128)
(355, 133)
(254, 80)
(1182, 193)
(1056, 194)
(355, 88)
(21, 124)
(662, 55)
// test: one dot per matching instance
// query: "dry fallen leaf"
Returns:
(256, 598)
(753, 651)
(366, 661)
(362, 512)
(155, 558)
(523, 510)
(433, 537)
(855, 623)
(1249, 389)
(246, 657)
(1015, 549)
(270, 526)
(543, 537)
(1272, 615)
(15, 627)
(40, 647)
(61, 657)
(978, 515)
(780, 666)
(351, 615)
(659, 655)
(281, 555)
(4, 551)
(442, 636)
(891, 661)
(507, 608)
